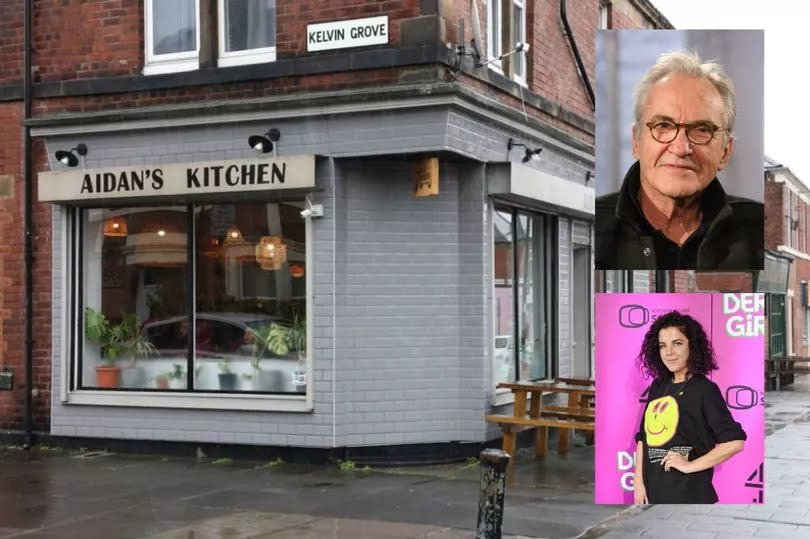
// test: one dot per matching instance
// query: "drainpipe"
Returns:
(28, 181)
(580, 66)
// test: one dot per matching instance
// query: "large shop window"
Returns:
(522, 295)
(235, 273)
(176, 38)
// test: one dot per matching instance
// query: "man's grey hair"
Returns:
(687, 63)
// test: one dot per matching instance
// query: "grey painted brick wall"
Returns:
(410, 300)
(401, 288)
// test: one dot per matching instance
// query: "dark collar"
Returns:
(714, 202)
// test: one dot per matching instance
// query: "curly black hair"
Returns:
(701, 354)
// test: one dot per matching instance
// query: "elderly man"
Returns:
(671, 211)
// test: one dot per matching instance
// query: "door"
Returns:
(581, 289)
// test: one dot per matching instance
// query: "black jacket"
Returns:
(729, 238)
(701, 420)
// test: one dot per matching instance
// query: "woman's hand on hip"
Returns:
(677, 461)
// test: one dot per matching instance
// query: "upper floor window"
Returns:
(176, 39)
(172, 39)
(247, 31)
(506, 27)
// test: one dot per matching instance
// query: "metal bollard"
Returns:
(493, 488)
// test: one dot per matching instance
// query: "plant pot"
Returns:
(133, 377)
(271, 381)
(108, 377)
(299, 381)
(227, 381)
(162, 382)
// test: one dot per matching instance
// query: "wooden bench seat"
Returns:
(559, 419)
(780, 371)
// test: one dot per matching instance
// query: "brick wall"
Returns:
(12, 294)
(774, 214)
(76, 39)
(11, 262)
(724, 282)
(293, 17)
(682, 281)
(11, 41)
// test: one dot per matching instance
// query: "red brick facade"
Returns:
(786, 230)
(104, 39)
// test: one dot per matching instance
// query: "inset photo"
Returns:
(679, 150)
(680, 393)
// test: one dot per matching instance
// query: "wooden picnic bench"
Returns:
(780, 371)
(529, 411)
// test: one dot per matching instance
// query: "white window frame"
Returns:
(156, 64)
(521, 78)
(494, 35)
(604, 7)
(245, 57)
(185, 399)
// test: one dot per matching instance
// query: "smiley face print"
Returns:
(661, 421)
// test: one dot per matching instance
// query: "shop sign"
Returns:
(178, 179)
(346, 34)
(426, 177)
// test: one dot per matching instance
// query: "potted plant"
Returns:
(266, 380)
(177, 378)
(162, 381)
(122, 340)
(227, 378)
(282, 339)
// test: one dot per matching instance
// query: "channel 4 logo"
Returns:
(743, 397)
(633, 316)
(756, 481)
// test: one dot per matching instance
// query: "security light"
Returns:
(69, 158)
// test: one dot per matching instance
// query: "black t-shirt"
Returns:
(691, 418)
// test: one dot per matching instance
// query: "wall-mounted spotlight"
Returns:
(264, 143)
(530, 153)
(69, 158)
(588, 176)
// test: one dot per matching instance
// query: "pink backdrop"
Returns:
(737, 337)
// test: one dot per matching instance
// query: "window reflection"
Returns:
(250, 297)
(135, 265)
(249, 280)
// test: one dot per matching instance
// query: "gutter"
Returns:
(27, 218)
(580, 65)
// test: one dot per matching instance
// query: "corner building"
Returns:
(332, 309)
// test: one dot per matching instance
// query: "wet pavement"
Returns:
(50, 493)
(786, 508)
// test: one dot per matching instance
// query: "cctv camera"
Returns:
(306, 213)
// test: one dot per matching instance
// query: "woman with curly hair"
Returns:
(686, 428)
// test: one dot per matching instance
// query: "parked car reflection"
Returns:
(228, 351)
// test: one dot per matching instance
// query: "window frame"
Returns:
(550, 249)
(495, 38)
(244, 57)
(157, 64)
(495, 35)
(521, 78)
(72, 306)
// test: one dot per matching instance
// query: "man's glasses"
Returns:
(665, 131)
